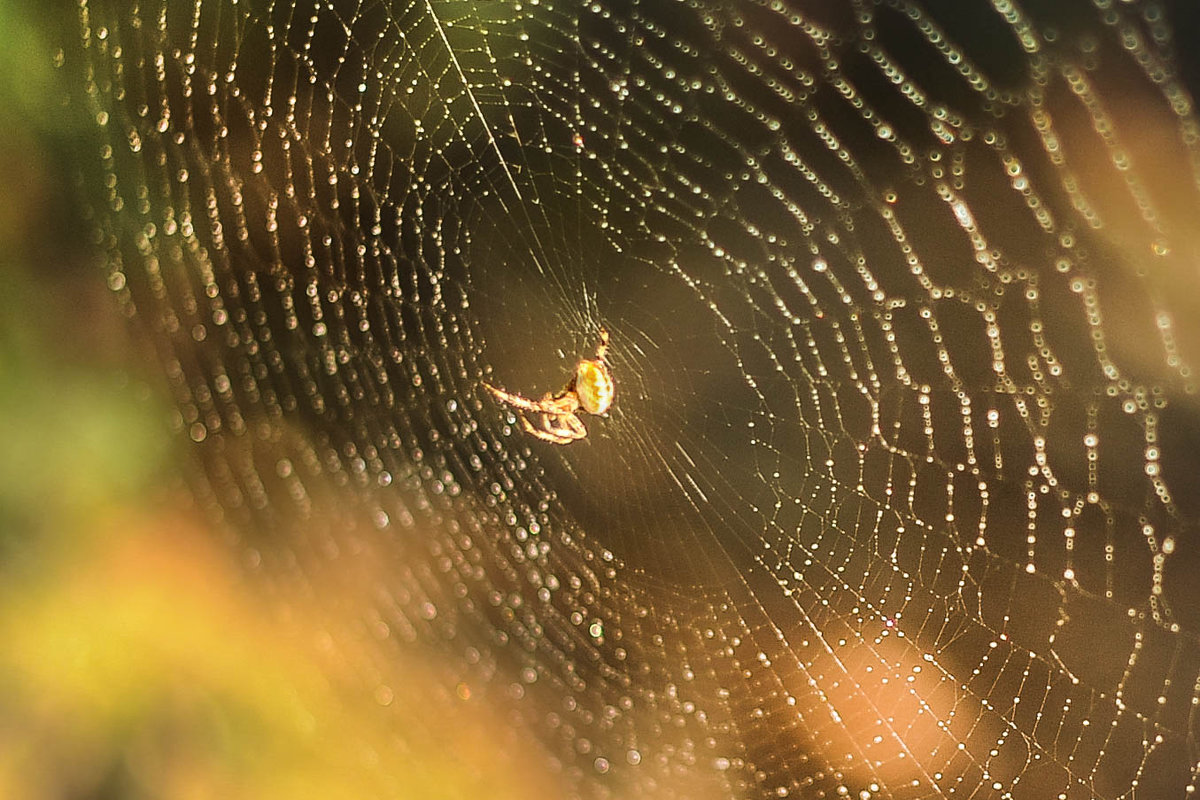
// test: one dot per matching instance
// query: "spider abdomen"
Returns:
(594, 386)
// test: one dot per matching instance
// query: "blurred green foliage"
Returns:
(138, 661)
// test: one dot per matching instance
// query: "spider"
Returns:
(590, 388)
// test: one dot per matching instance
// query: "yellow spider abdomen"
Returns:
(594, 386)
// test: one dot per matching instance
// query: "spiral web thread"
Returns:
(898, 494)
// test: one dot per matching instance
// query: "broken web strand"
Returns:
(804, 528)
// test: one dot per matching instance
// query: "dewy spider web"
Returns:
(899, 493)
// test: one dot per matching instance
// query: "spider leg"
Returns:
(542, 406)
(602, 348)
(565, 402)
(556, 428)
(544, 435)
(568, 426)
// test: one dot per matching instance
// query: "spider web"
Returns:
(898, 495)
